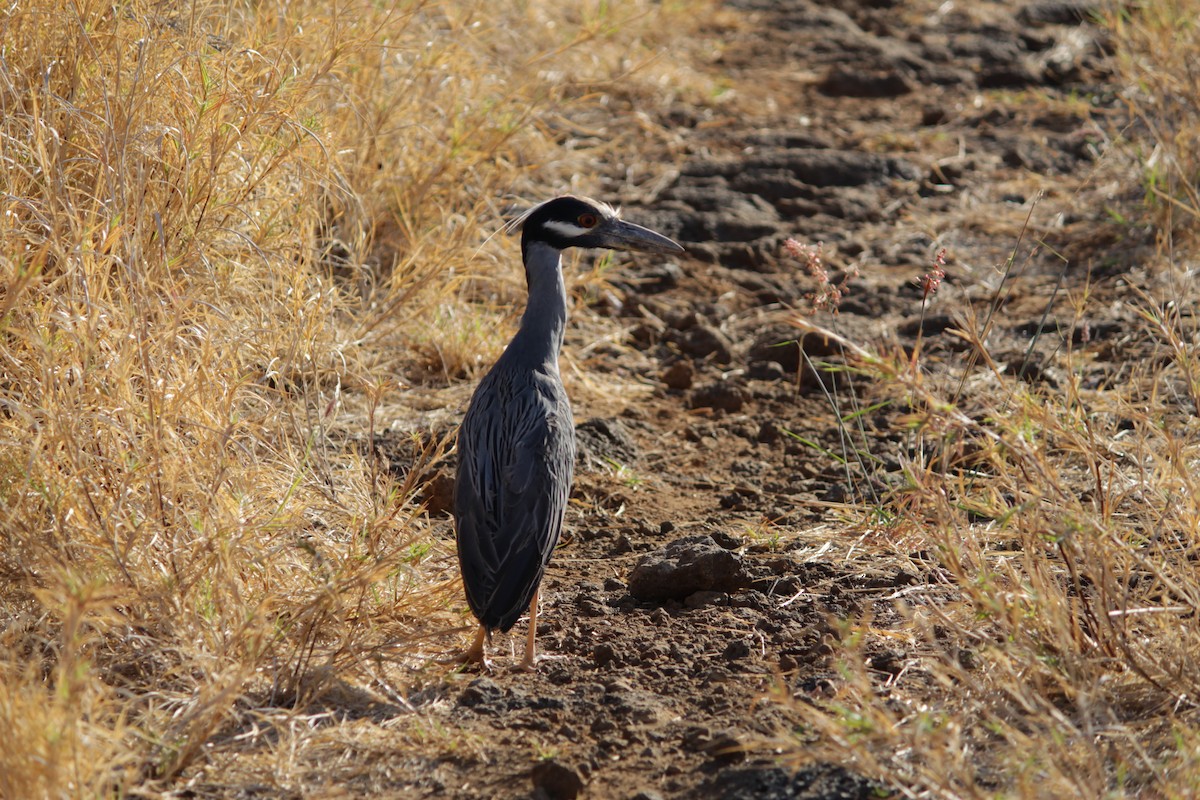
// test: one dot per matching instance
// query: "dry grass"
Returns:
(1054, 650)
(228, 234)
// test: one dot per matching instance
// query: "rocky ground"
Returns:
(707, 560)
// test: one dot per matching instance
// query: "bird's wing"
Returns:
(516, 458)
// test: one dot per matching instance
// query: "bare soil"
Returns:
(709, 556)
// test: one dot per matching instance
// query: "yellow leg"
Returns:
(529, 662)
(473, 654)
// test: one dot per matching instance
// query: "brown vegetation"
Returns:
(240, 245)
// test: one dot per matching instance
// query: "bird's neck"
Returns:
(540, 336)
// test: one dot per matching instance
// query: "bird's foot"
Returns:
(467, 658)
(472, 655)
(529, 664)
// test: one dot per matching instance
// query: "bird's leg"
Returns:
(473, 654)
(529, 662)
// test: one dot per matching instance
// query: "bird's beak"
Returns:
(622, 235)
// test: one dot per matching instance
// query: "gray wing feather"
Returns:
(516, 450)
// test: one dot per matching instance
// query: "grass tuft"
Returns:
(229, 236)
(1052, 650)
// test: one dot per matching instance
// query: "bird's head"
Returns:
(571, 221)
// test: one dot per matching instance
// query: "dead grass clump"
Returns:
(220, 227)
(1154, 47)
(1054, 651)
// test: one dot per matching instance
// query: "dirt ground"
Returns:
(707, 555)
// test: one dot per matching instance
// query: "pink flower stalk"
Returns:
(829, 294)
(932, 280)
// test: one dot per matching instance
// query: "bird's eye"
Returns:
(588, 220)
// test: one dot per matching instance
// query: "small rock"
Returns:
(720, 395)
(557, 780)
(725, 746)
(703, 341)
(603, 724)
(779, 345)
(590, 607)
(768, 432)
(679, 376)
(765, 371)
(604, 654)
(837, 493)
(726, 540)
(438, 494)
(604, 441)
(826, 168)
(733, 501)
(721, 744)
(683, 320)
(480, 692)
(1058, 12)
(659, 278)
(735, 650)
(706, 598)
(685, 566)
(931, 325)
(843, 82)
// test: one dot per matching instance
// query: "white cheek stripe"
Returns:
(565, 229)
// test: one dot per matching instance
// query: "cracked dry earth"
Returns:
(713, 565)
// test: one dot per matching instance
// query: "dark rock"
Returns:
(1058, 12)
(930, 325)
(726, 540)
(1013, 75)
(438, 494)
(604, 441)
(736, 649)
(1030, 370)
(773, 185)
(481, 692)
(685, 566)
(779, 344)
(556, 780)
(706, 598)
(769, 432)
(590, 607)
(783, 345)
(765, 371)
(734, 218)
(662, 276)
(787, 139)
(733, 501)
(846, 82)
(722, 745)
(817, 782)
(825, 168)
(721, 395)
(681, 320)
(703, 341)
(604, 654)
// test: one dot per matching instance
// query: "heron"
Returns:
(516, 443)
